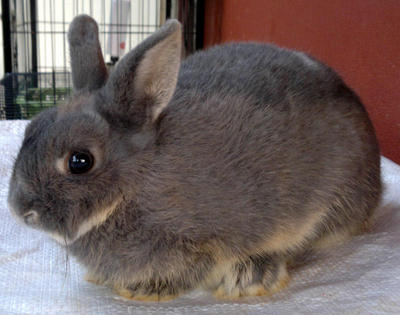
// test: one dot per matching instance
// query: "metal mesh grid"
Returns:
(26, 94)
(39, 49)
(45, 22)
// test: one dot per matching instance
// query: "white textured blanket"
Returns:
(359, 277)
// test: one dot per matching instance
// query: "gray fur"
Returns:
(260, 153)
(88, 69)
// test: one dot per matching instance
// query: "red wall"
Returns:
(358, 38)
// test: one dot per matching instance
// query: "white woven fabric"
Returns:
(359, 277)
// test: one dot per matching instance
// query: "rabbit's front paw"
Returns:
(92, 278)
(254, 277)
(150, 291)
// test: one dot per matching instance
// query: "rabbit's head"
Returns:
(78, 160)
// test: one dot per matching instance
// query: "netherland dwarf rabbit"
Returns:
(213, 172)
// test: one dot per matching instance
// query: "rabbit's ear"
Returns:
(144, 81)
(88, 69)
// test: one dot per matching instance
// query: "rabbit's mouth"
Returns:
(31, 218)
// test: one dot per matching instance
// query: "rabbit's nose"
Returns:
(31, 217)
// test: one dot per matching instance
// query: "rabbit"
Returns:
(211, 173)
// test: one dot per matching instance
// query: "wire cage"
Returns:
(35, 43)
(26, 94)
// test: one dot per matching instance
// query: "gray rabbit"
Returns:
(213, 172)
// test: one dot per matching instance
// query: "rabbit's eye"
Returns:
(80, 162)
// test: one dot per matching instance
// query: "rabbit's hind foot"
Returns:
(255, 276)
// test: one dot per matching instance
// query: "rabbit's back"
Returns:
(266, 72)
(259, 137)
